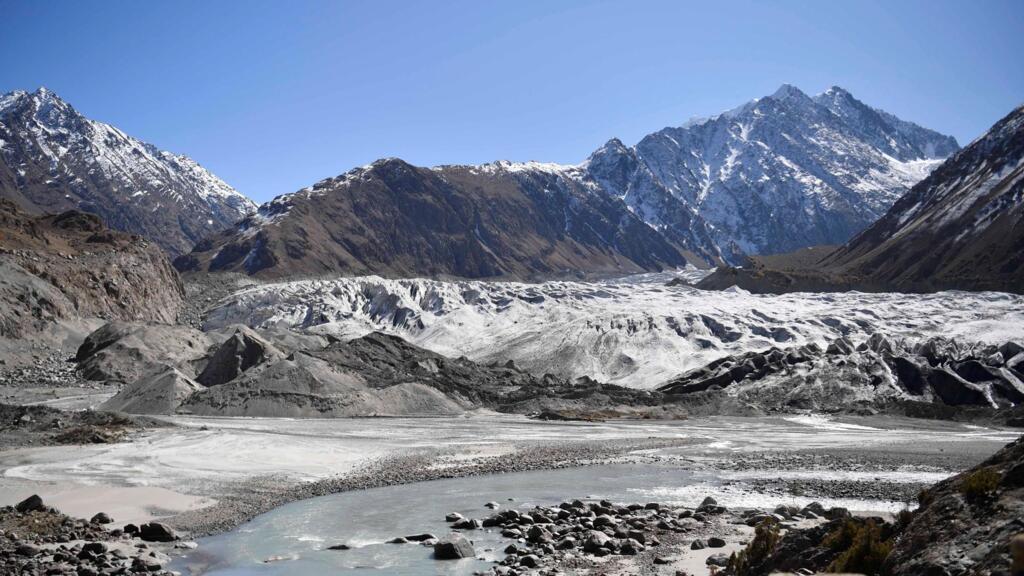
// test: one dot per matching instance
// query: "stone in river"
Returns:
(454, 547)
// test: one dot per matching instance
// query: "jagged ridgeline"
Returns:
(779, 173)
(961, 228)
(53, 159)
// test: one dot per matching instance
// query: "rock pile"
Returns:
(36, 539)
(544, 537)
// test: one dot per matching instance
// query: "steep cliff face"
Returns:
(70, 265)
(54, 159)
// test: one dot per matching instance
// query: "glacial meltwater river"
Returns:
(294, 538)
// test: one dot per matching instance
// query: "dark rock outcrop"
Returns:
(395, 219)
(965, 524)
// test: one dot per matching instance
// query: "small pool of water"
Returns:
(299, 533)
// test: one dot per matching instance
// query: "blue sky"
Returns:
(273, 96)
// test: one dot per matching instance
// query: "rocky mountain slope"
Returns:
(395, 219)
(69, 265)
(54, 159)
(776, 174)
(636, 331)
(962, 228)
(781, 172)
(968, 524)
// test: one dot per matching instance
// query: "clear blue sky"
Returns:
(273, 96)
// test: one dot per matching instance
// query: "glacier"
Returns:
(637, 331)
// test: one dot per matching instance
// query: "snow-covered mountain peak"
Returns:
(789, 93)
(57, 159)
(776, 173)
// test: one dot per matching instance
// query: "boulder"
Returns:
(721, 560)
(27, 550)
(631, 547)
(529, 561)
(31, 504)
(95, 547)
(454, 547)
(101, 518)
(157, 532)
(596, 541)
(709, 501)
(468, 524)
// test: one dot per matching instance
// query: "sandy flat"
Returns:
(125, 504)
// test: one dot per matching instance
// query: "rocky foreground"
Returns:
(969, 524)
(36, 539)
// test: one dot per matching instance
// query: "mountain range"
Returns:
(779, 173)
(961, 228)
(53, 159)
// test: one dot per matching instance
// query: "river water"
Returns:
(295, 537)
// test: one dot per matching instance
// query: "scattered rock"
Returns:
(102, 518)
(157, 532)
(453, 547)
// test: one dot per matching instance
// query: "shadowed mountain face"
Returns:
(54, 159)
(781, 172)
(962, 227)
(394, 219)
